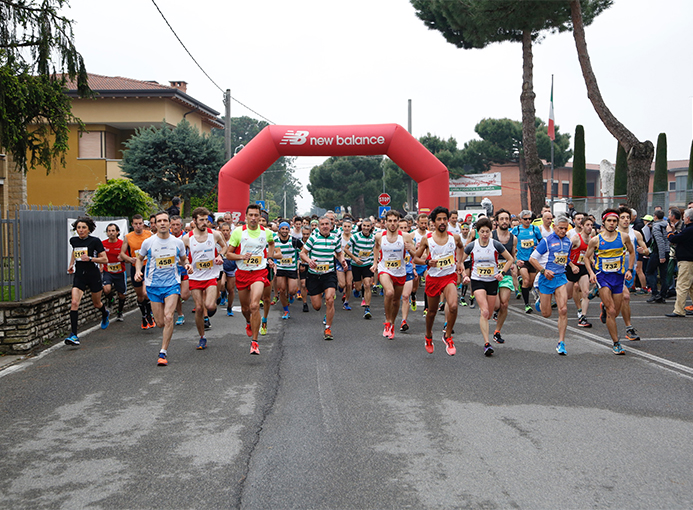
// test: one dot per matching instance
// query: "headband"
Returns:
(284, 224)
(609, 214)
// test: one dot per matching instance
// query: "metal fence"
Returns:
(664, 199)
(33, 248)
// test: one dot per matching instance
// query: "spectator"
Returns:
(659, 255)
(571, 212)
(677, 223)
(684, 255)
(174, 210)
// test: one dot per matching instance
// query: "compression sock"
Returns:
(121, 304)
(525, 294)
(74, 316)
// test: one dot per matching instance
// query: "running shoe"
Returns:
(445, 326)
(291, 300)
(413, 305)
(223, 301)
(391, 332)
(632, 335)
(497, 338)
(386, 330)
(528, 309)
(328, 334)
(162, 361)
(346, 306)
(104, 320)
(518, 294)
(324, 320)
(356, 293)
(488, 350)
(472, 302)
(425, 312)
(72, 340)
(363, 302)
(495, 316)
(429, 345)
(367, 314)
(263, 328)
(208, 325)
(688, 308)
(286, 315)
(593, 293)
(145, 324)
(449, 346)
(248, 329)
(583, 323)
(150, 321)
(441, 307)
(202, 344)
(602, 313)
(180, 320)
(343, 297)
(229, 312)
(404, 326)
(254, 348)
(618, 349)
(305, 307)
(119, 317)
(579, 313)
(537, 305)
(463, 302)
(262, 304)
(560, 349)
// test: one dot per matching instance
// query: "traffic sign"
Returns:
(384, 199)
(382, 210)
(261, 203)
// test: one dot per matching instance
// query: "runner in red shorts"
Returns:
(389, 250)
(444, 262)
(250, 245)
(203, 269)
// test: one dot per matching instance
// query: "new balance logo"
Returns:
(294, 138)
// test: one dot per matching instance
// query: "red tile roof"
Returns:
(99, 82)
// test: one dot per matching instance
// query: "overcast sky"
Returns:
(358, 62)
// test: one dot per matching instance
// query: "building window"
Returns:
(680, 186)
(566, 189)
(467, 202)
(590, 189)
(97, 145)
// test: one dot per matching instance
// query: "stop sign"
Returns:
(384, 199)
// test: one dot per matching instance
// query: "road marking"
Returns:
(688, 371)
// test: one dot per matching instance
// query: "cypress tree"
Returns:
(689, 181)
(660, 174)
(621, 174)
(579, 166)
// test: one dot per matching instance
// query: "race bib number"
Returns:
(445, 261)
(255, 260)
(365, 253)
(407, 257)
(204, 264)
(114, 268)
(611, 265)
(485, 271)
(79, 252)
(322, 268)
(560, 259)
(165, 262)
(393, 264)
(527, 243)
(287, 261)
(581, 259)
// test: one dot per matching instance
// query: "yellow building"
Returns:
(121, 106)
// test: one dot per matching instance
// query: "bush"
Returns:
(121, 197)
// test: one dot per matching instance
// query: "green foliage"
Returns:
(579, 164)
(37, 56)
(355, 182)
(167, 162)
(120, 197)
(277, 178)
(661, 179)
(621, 174)
(501, 142)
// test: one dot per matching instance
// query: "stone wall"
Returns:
(26, 324)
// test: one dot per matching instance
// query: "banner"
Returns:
(476, 185)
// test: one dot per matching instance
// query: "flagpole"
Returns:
(551, 138)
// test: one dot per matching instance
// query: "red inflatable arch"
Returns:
(273, 142)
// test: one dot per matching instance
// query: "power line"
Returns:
(201, 69)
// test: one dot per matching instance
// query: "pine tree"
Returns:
(621, 175)
(579, 166)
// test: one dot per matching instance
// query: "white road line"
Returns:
(606, 342)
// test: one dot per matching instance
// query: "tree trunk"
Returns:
(523, 182)
(640, 154)
(534, 166)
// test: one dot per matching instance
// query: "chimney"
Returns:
(180, 85)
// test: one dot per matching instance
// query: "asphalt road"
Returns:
(360, 422)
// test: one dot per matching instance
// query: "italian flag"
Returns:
(552, 131)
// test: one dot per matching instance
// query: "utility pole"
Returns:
(227, 124)
(410, 192)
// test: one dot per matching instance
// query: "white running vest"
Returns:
(202, 255)
(484, 261)
(392, 256)
(445, 254)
